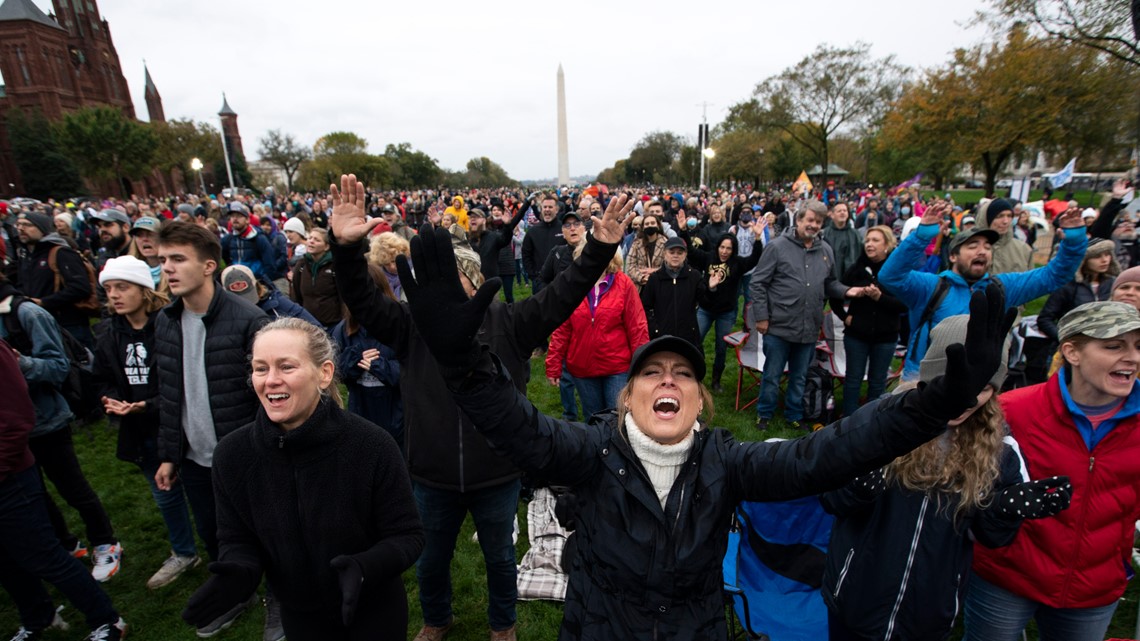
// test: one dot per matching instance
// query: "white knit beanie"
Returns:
(129, 269)
(295, 225)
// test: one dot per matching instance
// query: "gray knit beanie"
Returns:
(953, 330)
(43, 222)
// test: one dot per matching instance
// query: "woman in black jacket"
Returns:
(871, 320)
(718, 305)
(313, 496)
(1093, 282)
(656, 486)
(899, 558)
(125, 369)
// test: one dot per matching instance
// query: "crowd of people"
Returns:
(215, 334)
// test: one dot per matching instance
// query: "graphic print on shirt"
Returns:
(135, 366)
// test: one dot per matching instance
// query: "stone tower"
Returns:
(230, 128)
(153, 99)
(92, 52)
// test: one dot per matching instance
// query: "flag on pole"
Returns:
(801, 184)
(1062, 178)
(906, 184)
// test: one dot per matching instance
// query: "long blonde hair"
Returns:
(964, 461)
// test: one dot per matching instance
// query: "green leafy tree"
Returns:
(283, 151)
(416, 168)
(105, 144)
(46, 172)
(829, 91)
(652, 158)
(180, 141)
(484, 172)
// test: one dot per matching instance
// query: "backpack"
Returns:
(78, 389)
(936, 297)
(91, 303)
(819, 401)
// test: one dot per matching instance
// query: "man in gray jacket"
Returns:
(789, 287)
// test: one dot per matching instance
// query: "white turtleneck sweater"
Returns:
(662, 462)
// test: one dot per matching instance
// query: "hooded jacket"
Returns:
(1082, 557)
(646, 572)
(443, 449)
(280, 248)
(1010, 254)
(230, 323)
(846, 245)
(314, 288)
(724, 298)
(43, 361)
(791, 284)
(37, 280)
(126, 369)
(252, 249)
(460, 212)
(901, 276)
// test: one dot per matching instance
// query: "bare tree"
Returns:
(282, 150)
(1109, 26)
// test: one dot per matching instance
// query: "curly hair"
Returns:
(964, 461)
(383, 248)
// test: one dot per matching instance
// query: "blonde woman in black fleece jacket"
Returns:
(313, 496)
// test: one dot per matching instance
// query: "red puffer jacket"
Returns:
(1081, 557)
(600, 341)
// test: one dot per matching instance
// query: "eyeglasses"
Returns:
(572, 223)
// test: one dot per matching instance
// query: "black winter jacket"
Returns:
(37, 280)
(491, 243)
(443, 449)
(873, 321)
(643, 572)
(1063, 301)
(290, 502)
(541, 237)
(231, 322)
(671, 303)
(314, 288)
(898, 565)
(726, 295)
(556, 262)
(125, 370)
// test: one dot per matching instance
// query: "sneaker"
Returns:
(171, 569)
(107, 560)
(227, 619)
(762, 423)
(57, 622)
(79, 551)
(432, 633)
(273, 629)
(109, 632)
(503, 635)
(24, 634)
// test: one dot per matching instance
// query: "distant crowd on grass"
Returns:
(214, 332)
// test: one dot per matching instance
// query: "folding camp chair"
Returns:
(749, 348)
(833, 355)
(773, 569)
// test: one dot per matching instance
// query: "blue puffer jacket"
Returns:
(44, 364)
(253, 250)
(902, 277)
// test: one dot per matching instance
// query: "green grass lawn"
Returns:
(154, 615)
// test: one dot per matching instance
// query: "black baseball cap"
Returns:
(568, 214)
(966, 236)
(674, 344)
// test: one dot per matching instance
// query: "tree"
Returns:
(180, 141)
(652, 158)
(1108, 26)
(416, 168)
(335, 153)
(283, 151)
(484, 172)
(46, 172)
(826, 92)
(105, 144)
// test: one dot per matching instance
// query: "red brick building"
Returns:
(58, 63)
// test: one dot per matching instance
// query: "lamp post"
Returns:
(760, 176)
(708, 154)
(196, 165)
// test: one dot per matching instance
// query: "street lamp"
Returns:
(760, 177)
(708, 154)
(196, 165)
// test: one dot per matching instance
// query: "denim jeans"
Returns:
(599, 392)
(566, 395)
(199, 486)
(872, 358)
(724, 323)
(172, 504)
(55, 455)
(30, 553)
(779, 353)
(995, 614)
(442, 511)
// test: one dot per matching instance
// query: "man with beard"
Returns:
(114, 227)
(488, 242)
(932, 297)
(245, 246)
(53, 275)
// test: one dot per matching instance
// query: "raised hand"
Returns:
(933, 214)
(445, 316)
(1070, 219)
(610, 228)
(348, 222)
(1120, 188)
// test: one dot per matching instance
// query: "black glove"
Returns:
(1035, 499)
(231, 585)
(956, 391)
(444, 315)
(869, 485)
(351, 582)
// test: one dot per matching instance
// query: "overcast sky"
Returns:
(466, 79)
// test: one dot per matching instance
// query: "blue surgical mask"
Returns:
(692, 222)
(905, 211)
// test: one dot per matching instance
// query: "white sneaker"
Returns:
(172, 568)
(57, 622)
(107, 560)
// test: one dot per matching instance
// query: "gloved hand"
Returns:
(444, 315)
(869, 485)
(1035, 499)
(231, 585)
(956, 391)
(351, 583)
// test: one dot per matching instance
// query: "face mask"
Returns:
(650, 231)
(905, 211)
(690, 223)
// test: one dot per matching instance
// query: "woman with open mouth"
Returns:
(1070, 571)
(656, 484)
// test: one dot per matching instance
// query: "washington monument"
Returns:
(563, 151)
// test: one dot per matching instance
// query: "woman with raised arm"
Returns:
(656, 484)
